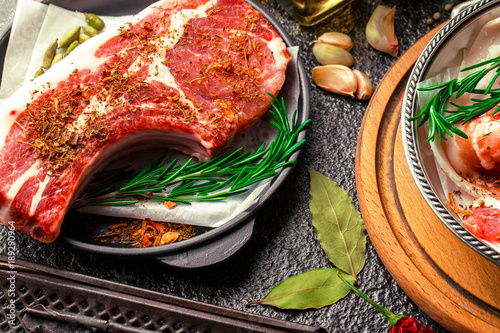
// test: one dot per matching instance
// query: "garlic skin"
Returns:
(338, 79)
(365, 88)
(328, 54)
(380, 30)
(336, 38)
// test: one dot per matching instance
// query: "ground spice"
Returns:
(147, 233)
(455, 207)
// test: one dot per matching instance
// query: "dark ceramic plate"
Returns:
(209, 246)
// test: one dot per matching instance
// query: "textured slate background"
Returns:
(284, 242)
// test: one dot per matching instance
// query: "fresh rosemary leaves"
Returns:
(441, 121)
(214, 180)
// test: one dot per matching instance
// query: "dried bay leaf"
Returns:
(341, 233)
(313, 289)
(339, 227)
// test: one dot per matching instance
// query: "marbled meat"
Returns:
(184, 74)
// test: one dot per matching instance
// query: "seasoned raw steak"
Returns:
(187, 74)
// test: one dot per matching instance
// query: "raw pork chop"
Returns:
(188, 74)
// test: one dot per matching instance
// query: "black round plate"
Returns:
(209, 246)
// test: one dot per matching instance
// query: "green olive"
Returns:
(69, 37)
(49, 54)
(71, 47)
(83, 38)
(94, 21)
(39, 72)
(90, 31)
(58, 57)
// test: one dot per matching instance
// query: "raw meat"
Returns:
(483, 223)
(470, 168)
(186, 74)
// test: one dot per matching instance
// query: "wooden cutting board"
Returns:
(452, 283)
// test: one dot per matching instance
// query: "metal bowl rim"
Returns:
(409, 133)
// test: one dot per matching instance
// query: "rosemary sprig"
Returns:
(441, 120)
(214, 180)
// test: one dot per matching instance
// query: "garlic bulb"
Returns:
(336, 38)
(328, 54)
(380, 30)
(335, 78)
(365, 89)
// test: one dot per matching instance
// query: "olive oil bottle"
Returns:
(312, 12)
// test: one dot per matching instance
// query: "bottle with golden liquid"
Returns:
(312, 12)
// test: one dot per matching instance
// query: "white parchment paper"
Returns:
(24, 57)
(35, 26)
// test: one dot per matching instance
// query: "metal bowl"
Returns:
(440, 54)
(209, 246)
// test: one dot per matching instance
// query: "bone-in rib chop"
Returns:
(185, 74)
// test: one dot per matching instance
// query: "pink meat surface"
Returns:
(186, 74)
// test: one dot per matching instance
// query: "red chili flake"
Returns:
(158, 226)
(170, 204)
(147, 26)
(146, 241)
(115, 226)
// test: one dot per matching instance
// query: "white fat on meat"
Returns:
(83, 57)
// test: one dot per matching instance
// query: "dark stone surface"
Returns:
(284, 242)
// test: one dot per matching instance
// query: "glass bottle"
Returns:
(312, 12)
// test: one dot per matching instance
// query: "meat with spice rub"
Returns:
(184, 74)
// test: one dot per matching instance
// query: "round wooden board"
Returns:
(455, 285)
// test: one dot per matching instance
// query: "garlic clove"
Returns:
(364, 88)
(327, 54)
(336, 38)
(338, 79)
(380, 30)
